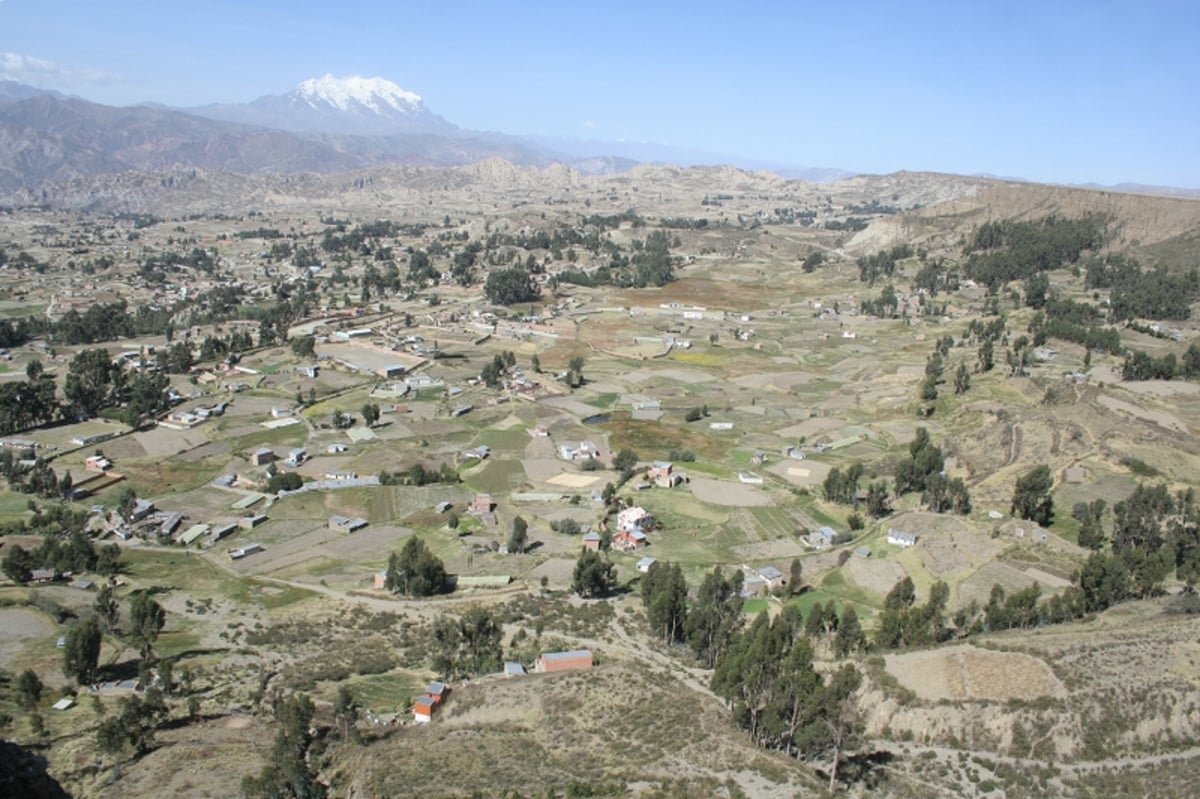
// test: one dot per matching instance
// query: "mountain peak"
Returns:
(345, 93)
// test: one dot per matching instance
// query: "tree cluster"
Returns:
(903, 623)
(415, 571)
(1031, 495)
(421, 475)
(882, 263)
(594, 575)
(288, 774)
(768, 678)
(664, 595)
(1007, 250)
(510, 286)
(467, 646)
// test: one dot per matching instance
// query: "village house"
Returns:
(43, 576)
(476, 453)
(480, 504)
(629, 540)
(773, 577)
(141, 509)
(297, 456)
(97, 463)
(262, 456)
(663, 474)
(564, 661)
(900, 539)
(822, 538)
(591, 540)
(645, 563)
(634, 518)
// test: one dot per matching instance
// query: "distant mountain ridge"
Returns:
(324, 125)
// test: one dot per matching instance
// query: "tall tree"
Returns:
(345, 714)
(519, 537)
(370, 413)
(664, 595)
(89, 380)
(716, 616)
(146, 620)
(850, 638)
(29, 689)
(81, 651)
(415, 571)
(594, 575)
(1031, 495)
(106, 608)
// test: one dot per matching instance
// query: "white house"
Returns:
(900, 539)
(633, 518)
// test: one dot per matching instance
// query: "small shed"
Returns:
(346, 525)
(423, 709)
(645, 563)
(591, 541)
(513, 669)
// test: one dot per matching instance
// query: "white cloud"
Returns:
(44, 74)
(588, 124)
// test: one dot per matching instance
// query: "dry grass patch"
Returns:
(966, 672)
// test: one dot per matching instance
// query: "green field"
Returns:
(385, 693)
(774, 522)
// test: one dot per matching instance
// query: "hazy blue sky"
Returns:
(1057, 90)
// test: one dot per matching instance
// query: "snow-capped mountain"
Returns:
(346, 94)
(352, 105)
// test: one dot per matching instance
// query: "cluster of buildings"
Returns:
(425, 705)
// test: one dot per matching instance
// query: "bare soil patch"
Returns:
(878, 575)
(967, 672)
(978, 586)
(557, 571)
(17, 625)
(719, 492)
(809, 428)
(577, 480)
(163, 441)
(1160, 418)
